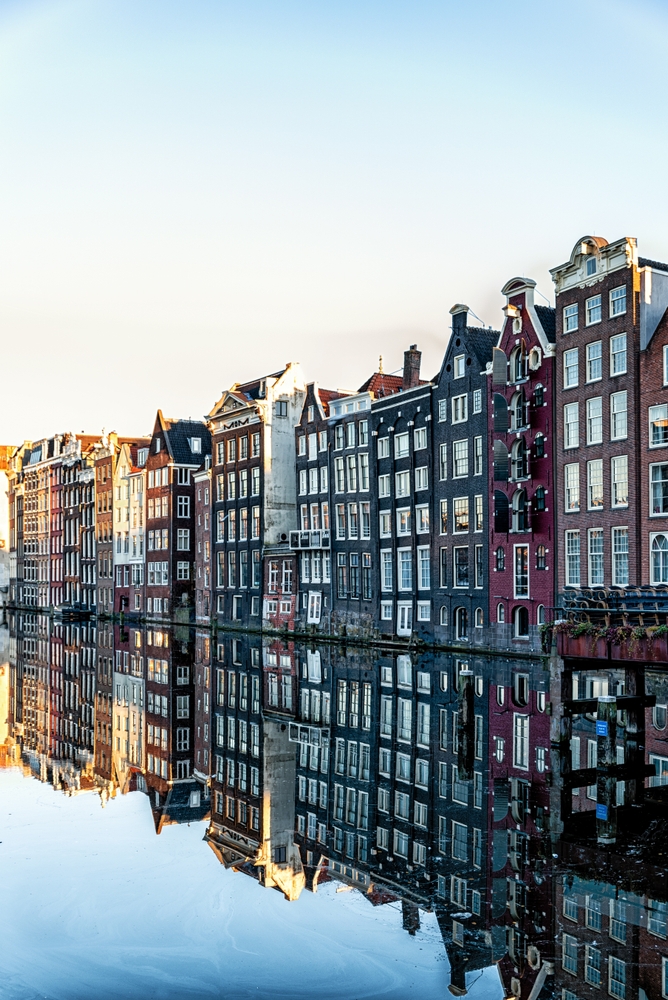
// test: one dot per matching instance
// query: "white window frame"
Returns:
(460, 409)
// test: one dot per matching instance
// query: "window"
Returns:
(403, 521)
(590, 267)
(573, 558)
(571, 425)
(657, 917)
(618, 419)
(422, 520)
(569, 953)
(595, 557)
(459, 841)
(281, 408)
(460, 510)
(572, 486)
(618, 301)
(461, 567)
(595, 484)
(595, 420)
(459, 369)
(619, 468)
(659, 483)
(183, 506)
(616, 977)
(477, 456)
(182, 571)
(459, 409)
(570, 368)
(618, 354)
(620, 557)
(659, 561)
(182, 706)
(521, 742)
(183, 539)
(401, 445)
(421, 478)
(658, 426)
(541, 557)
(570, 318)
(419, 438)
(500, 559)
(384, 486)
(460, 458)
(592, 964)
(405, 581)
(594, 361)
(478, 513)
(521, 571)
(593, 310)
(424, 574)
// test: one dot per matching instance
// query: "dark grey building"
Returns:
(461, 482)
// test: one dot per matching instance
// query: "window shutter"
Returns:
(500, 413)
(499, 367)
(500, 512)
(500, 462)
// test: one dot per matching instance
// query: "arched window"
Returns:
(500, 512)
(478, 618)
(660, 559)
(518, 411)
(520, 510)
(500, 413)
(540, 701)
(518, 364)
(519, 459)
(500, 613)
(444, 615)
(521, 623)
(500, 695)
(461, 623)
(539, 498)
(500, 559)
(659, 716)
(540, 614)
(540, 557)
(539, 446)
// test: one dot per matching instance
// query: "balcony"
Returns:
(309, 540)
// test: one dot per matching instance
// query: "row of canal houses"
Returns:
(431, 781)
(529, 474)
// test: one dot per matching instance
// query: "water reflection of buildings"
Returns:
(468, 788)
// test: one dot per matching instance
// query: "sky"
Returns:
(193, 194)
(102, 907)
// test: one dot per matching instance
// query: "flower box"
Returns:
(649, 650)
(583, 646)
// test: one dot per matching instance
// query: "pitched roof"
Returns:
(481, 341)
(382, 385)
(178, 434)
(326, 397)
(547, 316)
(656, 264)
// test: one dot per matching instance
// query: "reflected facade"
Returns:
(520, 801)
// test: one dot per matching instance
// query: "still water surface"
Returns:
(231, 816)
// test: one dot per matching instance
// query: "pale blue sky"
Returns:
(194, 193)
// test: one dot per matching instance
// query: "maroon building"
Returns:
(203, 609)
(522, 530)
(179, 448)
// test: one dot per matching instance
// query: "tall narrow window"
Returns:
(595, 420)
(619, 468)
(570, 368)
(620, 557)
(595, 484)
(596, 557)
(573, 558)
(618, 354)
(521, 571)
(571, 425)
(594, 361)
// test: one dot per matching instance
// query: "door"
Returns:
(404, 618)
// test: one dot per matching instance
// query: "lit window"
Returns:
(658, 426)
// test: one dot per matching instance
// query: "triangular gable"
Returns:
(228, 403)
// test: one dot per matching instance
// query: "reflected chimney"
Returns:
(412, 358)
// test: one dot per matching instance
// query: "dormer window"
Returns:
(196, 446)
(142, 455)
(591, 266)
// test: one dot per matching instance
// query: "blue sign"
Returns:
(601, 727)
(601, 811)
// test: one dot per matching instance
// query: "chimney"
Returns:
(412, 358)
(459, 313)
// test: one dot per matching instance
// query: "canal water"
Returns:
(188, 814)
